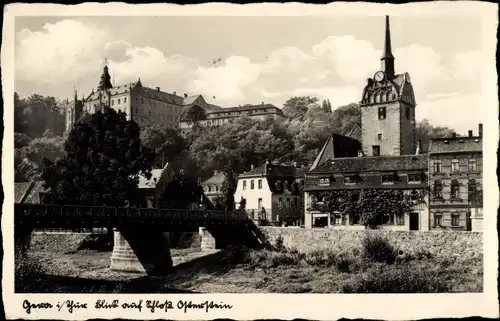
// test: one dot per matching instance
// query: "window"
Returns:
(119, 100)
(387, 179)
(455, 189)
(437, 166)
(216, 188)
(288, 204)
(438, 189)
(379, 136)
(209, 188)
(252, 186)
(350, 179)
(355, 219)
(338, 219)
(400, 219)
(472, 189)
(244, 185)
(125, 100)
(387, 219)
(324, 181)
(295, 202)
(455, 166)
(381, 113)
(280, 203)
(472, 165)
(259, 203)
(437, 219)
(407, 112)
(455, 219)
(414, 178)
(259, 184)
(112, 102)
(376, 150)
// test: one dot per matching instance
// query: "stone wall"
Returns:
(449, 243)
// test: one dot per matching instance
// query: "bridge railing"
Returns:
(34, 211)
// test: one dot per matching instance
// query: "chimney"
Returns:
(262, 103)
(175, 93)
(158, 88)
(470, 133)
(360, 153)
(251, 167)
(454, 135)
(480, 129)
(185, 95)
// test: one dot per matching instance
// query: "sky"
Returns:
(249, 60)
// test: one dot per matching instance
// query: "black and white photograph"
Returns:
(248, 150)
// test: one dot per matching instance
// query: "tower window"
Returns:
(407, 112)
(381, 113)
(379, 136)
(376, 150)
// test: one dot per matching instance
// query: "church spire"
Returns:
(387, 59)
(105, 82)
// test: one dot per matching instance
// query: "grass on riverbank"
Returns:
(376, 267)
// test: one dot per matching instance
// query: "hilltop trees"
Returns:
(103, 160)
(296, 107)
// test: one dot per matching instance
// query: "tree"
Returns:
(103, 161)
(345, 117)
(181, 192)
(29, 155)
(228, 188)
(296, 107)
(425, 132)
(167, 142)
(326, 106)
(243, 204)
(193, 115)
(373, 205)
(36, 114)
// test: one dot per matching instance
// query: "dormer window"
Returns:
(414, 178)
(388, 179)
(350, 179)
(324, 181)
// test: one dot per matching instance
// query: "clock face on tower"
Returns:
(379, 76)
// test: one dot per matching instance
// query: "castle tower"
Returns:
(388, 109)
(104, 87)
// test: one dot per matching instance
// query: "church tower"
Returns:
(104, 88)
(388, 109)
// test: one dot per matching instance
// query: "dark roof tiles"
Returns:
(373, 163)
(455, 145)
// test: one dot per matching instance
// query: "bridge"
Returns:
(140, 234)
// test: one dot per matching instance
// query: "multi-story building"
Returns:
(388, 158)
(272, 193)
(455, 171)
(217, 117)
(142, 104)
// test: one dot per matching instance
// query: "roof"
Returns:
(216, 179)
(337, 146)
(373, 164)
(275, 171)
(355, 132)
(386, 90)
(456, 145)
(247, 108)
(28, 192)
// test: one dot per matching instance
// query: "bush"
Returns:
(279, 244)
(382, 278)
(376, 248)
(28, 274)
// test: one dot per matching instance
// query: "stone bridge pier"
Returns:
(140, 249)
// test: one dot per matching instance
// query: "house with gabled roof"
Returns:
(272, 193)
